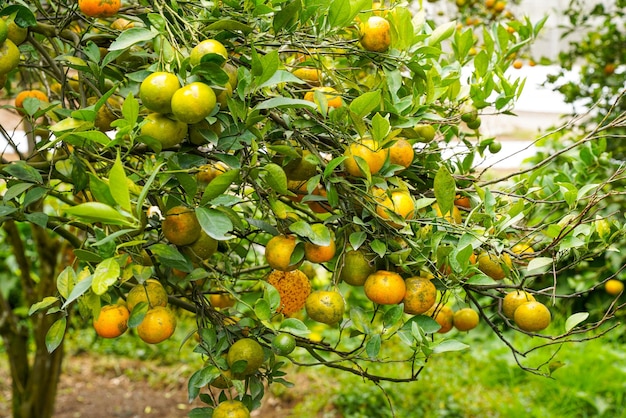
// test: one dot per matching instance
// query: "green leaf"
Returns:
(393, 315)
(287, 16)
(45, 303)
(93, 212)
(441, 32)
(138, 314)
(269, 64)
(449, 345)
(334, 163)
(79, 289)
(276, 178)
(294, 326)
(271, 295)
(372, 348)
(229, 25)
(357, 239)
(379, 247)
(575, 319)
(131, 37)
(171, 257)
(380, 127)
(365, 103)
(445, 190)
(219, 185)
(118, 185)
(282, 76)
(262, 309)
(55, 334)
(284, 102)
(339, 13)
(539, 264)
(130, 109)
(23, 171)
(65, 281)
(106, 274)
(215, 223)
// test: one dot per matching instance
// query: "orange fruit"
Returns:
(201, 249)
(193, 102)
(401, 153)
(499, 6)
(278, 251)
(311, 75)
(151, 292)
(444, 316)
(370, 151)
(223, 95)
(319, 253)
(208, 46)
(25, 94)
(325, 306)
(112, 321)
(122, 24)
(104, 114)
(221, 300)
(375, 34)
(180, 226)
(157, 89)
(232, 72)
(333, 99)
(9, 57)
(532, 316)
(168, 132)
(463, 202)
(420, 296)
(99, 8)
(385, 287)
(465, 319)
(522, 248)
(517, 64)
(356, 268)
(614, 287)
(249, 350)
(157, 326)
(231, 409)
(293, 287)
(492, 265)
(208, 172)
(301, 169)
(401, 203)
(513, 300)
(15, 33)
(198, 131)
(454, 218)
(283, 344)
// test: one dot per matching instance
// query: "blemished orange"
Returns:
(356, 268)
(157, 326)
(9, 57)
(168, 132)
(465, 319)
(208, 46)
(193, 102)
(513, 300)
(401, 153)
(99, 8)
(385, 287)
(25, 94)
(333, 99)
(370, 151)
(325, 306)
(420, 296)
(532, 316)
(231, 409)
(112, 321)
(375, 34)
(156, 91)
(492, 265)
(293, 287)
(613, 287)
(152, 292)
(444, 316)
(278, 251)
(181, 226)
(401, 203)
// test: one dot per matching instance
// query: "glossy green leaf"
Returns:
(55, 334)
(131, 37)
(445, 190)
(118, 184)
(215, 223)
(107, 273)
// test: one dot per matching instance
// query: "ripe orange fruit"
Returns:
(333, 99)
(157, 326)
(370, 151)
(532, 316)
(517, 64)
(513, 300)
(385, 287)
(614, 287)
(180, 226)
(463, 202)
(465, 319)
(249, 350)
(25, 94)
(122, 24)
(375, 34)
(9, 57)
(152, 292)
(311, 75)
(401, 203)
(454, 218)
(221, 300)
(231, 409)
(401, 153)
(356, 268)
(156, 91)
(443, 315)
(99, 8)
(293, 287)
(168, 132)
(193, 102)
(319, 253)
(522, 248)
(201, 249)
(492, 265)
(208, 46)
(112, 321)
(420, 296)
(325, 306)
(278, 251)
(208, 172)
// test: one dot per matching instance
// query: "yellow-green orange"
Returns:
(157, 89)
(168, 132)
(356, 268)
(193, 102)
(532, 316)
(151, 292)
(208, 46)
(278, 251)
(325, 306)
(370, 151)
(513, 300)
(231, 409)
(249, 350)
(420, 295)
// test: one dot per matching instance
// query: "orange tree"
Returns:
(248, 162)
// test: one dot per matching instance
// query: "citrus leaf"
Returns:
(393, 315)
(231, 25)
(379, 247)
(215, 223)
(138, 314)
(78, 290)
(65, 281)
(357, 239)
(339, 13)
(449, 345)
(276, 178)
(441, 32)
(131, 37)
(334, 163)
(365, 103)
(219, 185)
(93, 212)
(171, 257)
(575, 319)
(106, 274)
(262, 309)
(43, 304)
(283, 102)
(294, 326)
(118, 185)
(445, 190)
(55, 334)
(372, 348)
(539, 264)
